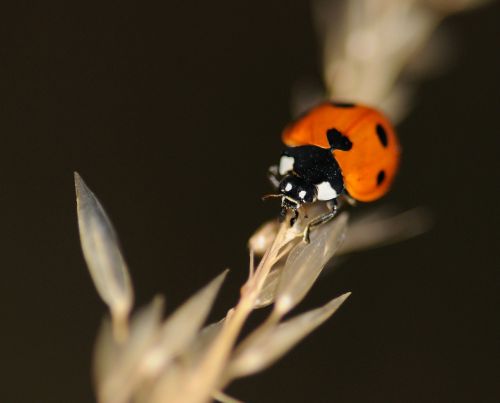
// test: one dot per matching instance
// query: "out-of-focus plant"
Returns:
(370, 46)
(376, 51)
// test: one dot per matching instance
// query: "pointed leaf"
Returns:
(223, 398)
(202, 342)
(257, 353)
(183, 325)
(102, 253)
(263, 237)
(268, 292)
(381, 228)
(305, 262)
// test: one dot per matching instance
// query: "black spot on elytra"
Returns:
(343, 104)
(380, 177)
(337, 140)
(382, 135)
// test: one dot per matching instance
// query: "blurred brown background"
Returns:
(171, 111)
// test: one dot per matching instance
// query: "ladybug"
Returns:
(334, 150)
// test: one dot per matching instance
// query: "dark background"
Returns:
(171, 111)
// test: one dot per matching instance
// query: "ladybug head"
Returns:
(295, 191)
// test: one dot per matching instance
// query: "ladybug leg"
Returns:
(295, 215)
(349, 200)
(282, 215)
(273, 176)
(320, 220)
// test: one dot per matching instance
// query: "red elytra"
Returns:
(369, 167)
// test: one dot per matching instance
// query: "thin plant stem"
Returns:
(205, 379)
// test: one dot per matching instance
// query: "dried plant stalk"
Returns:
(368, 46)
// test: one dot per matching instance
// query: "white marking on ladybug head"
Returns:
(302, 194)
(288, 187)
(286, 164)
(325, 191)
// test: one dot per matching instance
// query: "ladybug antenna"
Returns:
(271, 196)
(338, 141)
